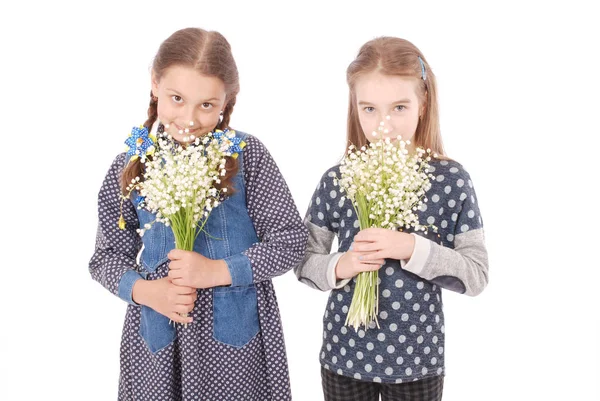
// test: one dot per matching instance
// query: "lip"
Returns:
(190, 129)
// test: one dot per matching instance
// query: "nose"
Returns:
(385, 125)
(189, 117)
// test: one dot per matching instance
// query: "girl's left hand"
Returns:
(384, 244)
(192, 269)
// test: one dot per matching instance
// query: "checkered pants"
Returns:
(342, 388)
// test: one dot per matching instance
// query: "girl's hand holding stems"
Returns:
(195, 270)
(370, 249)
(174, 296)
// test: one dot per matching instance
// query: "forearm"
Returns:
(114, 270)
(141, 292)
(318, 267)
(463, 269)
(277, 253)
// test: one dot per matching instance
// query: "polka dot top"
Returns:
(409, 342)
(197, 366)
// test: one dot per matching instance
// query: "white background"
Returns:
(518, 91)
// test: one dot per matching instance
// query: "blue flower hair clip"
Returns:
(236, 145)
(140, 143)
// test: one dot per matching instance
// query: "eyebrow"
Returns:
(363, 103)
(212, 99)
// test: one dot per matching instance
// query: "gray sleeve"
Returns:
(460, 262)
(463, 269)
(317, 268)
(317, 263)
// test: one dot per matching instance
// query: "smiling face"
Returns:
(390, 99)
(188, 100)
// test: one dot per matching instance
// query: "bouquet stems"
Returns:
(185, 230)
(364, 307)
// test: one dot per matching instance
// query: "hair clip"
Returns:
(423, 72)
(140, 143)
(236, 145)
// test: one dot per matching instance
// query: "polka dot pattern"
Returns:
(196, 366)
(409, 342)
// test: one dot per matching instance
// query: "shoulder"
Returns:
(331, 174)
(118, 164)
(250, 140)
(256, 158)
(120, 159)
(450, 172)
(329, 177)
(328, 180)
(110, 189)
(254, 148)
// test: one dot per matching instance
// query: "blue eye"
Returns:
(369, 109)
(400, 107)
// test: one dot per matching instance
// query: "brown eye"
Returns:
(177, 98)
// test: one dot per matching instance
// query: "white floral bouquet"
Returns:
(179, 180)
(386, 184)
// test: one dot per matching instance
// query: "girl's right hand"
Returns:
(166, 298)
(350, 264)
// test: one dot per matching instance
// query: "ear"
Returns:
(423, 107)
(154, 83)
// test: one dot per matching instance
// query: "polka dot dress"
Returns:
(409, 342)
(196, 366)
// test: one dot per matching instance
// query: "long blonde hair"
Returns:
(395, 56)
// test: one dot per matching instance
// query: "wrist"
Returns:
(336, 270)
(221, 273)
(404, 246)
(140, 292)
(410, 246)
(340, 273)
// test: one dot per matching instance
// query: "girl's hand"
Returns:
(350, 264)
(168, 299)
(191, 269)
(380, 243)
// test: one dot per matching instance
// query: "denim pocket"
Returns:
(156, 330)
(158, 241)
(235, 315)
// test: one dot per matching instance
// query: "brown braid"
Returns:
(232, 165)
(134, 168)
(227, 114)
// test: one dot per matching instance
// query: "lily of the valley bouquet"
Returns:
(386, 184)
(179, 180)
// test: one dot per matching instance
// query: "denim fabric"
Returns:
(228, 232)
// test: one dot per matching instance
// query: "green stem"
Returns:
(364, 307)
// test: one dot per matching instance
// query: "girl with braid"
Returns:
(230, 345)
